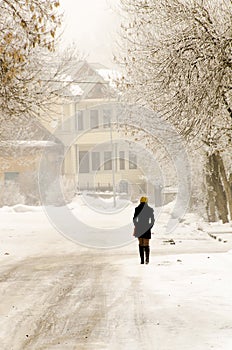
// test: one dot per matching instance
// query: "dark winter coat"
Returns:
(143, 220)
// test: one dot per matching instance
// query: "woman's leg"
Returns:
(141, 249)
(147, 249)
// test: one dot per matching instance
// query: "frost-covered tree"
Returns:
(40, 88)
(32, 78)
(25, 26)
(32, 70)
(178, 60)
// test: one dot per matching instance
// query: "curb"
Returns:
(217, 238)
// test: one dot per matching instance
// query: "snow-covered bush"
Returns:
(10, 194)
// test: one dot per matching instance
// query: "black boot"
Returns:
(147, 253)
(141, 253)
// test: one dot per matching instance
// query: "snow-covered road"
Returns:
(58, 295)
(108, 301)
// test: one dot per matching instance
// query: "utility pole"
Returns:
(113, 163)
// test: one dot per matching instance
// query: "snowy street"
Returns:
(115, 175)
(58, 295)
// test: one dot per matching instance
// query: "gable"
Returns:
(98, 91)
(86, 70)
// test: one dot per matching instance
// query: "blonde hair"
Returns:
(143, 200)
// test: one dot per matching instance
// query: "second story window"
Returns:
(132, 160)
(79, 120)
(106, 118)
(94, 120)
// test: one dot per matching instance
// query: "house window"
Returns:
(132, 160)
(83, 162)
(95, 160)
(107, 160)
(79, 121)
(122, 160)
(11, 176)
(94, 122)
(106, 118)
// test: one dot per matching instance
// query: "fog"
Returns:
(93, 26)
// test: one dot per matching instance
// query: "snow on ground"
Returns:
(56, 294)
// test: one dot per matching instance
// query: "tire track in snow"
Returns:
(69, 307)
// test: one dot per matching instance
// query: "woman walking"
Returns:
(143, 221)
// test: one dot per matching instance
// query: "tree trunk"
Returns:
(210, 205)
(225, 181)
(220, 196)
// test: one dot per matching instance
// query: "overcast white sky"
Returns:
(92, 25)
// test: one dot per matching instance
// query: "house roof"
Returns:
(88, 81)
(31, 135)
(28, 143)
